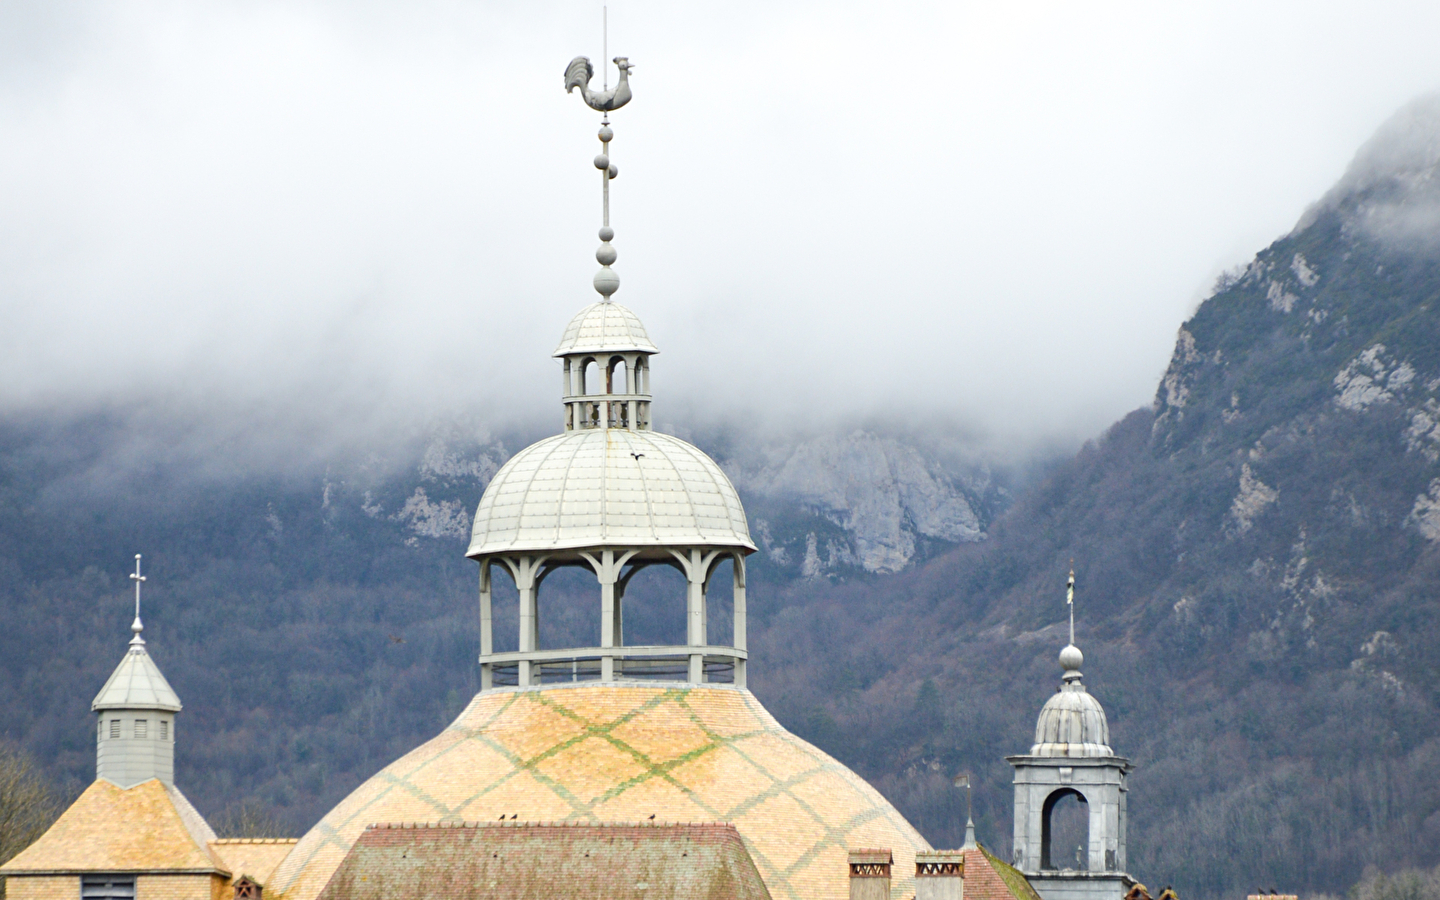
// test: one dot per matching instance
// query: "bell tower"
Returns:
(1071, 762)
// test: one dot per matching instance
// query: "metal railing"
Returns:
(631, 664)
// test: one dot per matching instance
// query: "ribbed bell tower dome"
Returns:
(1072, 722)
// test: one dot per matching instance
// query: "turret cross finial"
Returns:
(138, 579)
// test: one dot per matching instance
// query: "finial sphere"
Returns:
(607, 233)
(613, 172)
(602, 161)
(1071, 659)
(606, 134)
(607, 282)
(606, 254)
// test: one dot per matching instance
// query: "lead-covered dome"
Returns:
(607, 327)
(1072, 723)
(608, 486)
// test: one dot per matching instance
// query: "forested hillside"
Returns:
(1258, 560)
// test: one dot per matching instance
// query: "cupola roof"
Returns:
(605, 327)
(608, 486)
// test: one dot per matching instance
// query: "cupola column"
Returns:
(524, 569)
(487, 627)
(608, 567)
(738, 637)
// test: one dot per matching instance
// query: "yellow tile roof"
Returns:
(604, 753)
(256, 857)
(149, 827)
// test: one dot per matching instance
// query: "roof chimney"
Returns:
(870, 874)
(939, 875)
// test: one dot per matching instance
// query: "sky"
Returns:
(983, 217)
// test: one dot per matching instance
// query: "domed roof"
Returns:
(1072, 723)
(608, 486)
(613, 753)
(604, 327)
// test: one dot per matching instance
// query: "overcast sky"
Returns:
(988, 216)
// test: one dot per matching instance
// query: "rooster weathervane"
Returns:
(577, 75)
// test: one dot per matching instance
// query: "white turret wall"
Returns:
(128, 753)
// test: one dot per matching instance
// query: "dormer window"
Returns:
(142, 728)
(247, 888)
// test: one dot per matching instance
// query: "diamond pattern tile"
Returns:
(622, 754)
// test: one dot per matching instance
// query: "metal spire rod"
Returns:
(577, 75)
(1070, 601)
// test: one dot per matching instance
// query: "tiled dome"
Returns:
(608, 486)
(605, 326)
(594, 753)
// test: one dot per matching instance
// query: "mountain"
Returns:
(1258, 556)
(1257, 553)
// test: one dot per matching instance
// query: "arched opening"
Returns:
(642, 375)
(565, 601)
(653, 606)
(1065, 831)
(720, 603)
(504, 609)
(615, 378)
(590, 382)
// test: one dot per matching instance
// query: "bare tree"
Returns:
(29, 804)
(250, 819)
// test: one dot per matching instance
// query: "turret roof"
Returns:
(137, 684)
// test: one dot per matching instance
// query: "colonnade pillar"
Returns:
(737, 637)
(487, 627)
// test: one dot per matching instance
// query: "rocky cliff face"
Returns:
(862, 501)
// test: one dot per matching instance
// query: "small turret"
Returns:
(135, 711)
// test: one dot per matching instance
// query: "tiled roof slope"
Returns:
(149, 827)
(531, 862)
(611, 753)
(256, 857)
(987, 878)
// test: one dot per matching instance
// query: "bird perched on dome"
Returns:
(579, 73)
